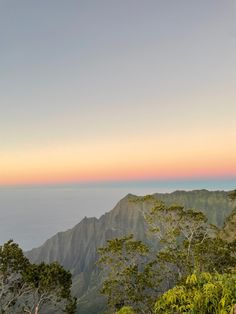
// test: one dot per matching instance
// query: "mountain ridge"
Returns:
(76, 248)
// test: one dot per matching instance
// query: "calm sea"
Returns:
(30, 215)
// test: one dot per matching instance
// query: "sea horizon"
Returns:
(31, 214)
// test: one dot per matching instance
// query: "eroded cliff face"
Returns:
(76, 249)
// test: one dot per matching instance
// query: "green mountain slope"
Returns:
(76, 249)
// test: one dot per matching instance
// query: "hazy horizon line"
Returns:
(201, 183)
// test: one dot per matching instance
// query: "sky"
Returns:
(94, 91)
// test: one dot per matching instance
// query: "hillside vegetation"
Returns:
(192, 271)
(76, 249)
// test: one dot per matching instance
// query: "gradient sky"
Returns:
(117, 90)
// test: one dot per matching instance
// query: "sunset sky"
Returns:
(107, 90)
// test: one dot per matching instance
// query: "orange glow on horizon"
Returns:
(101, 175)
(142, 158)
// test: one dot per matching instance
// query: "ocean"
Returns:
(31, 214)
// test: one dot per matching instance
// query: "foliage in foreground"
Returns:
(201, 293)
(126, 310)
(29, 288)
(138, 275)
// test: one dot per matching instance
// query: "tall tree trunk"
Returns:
(36, 309)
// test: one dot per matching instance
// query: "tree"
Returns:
(29, 288)
(128, 275)
(126, 310)
(205, 290)
(201, 293)
(137, 274)
(187, 242)
(13, 264)
(49, 285)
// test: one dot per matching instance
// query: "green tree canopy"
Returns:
(29, 288)
(203, 293)
(128, 280)
(136, 274)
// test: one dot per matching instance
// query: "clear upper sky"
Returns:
(113, 90)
